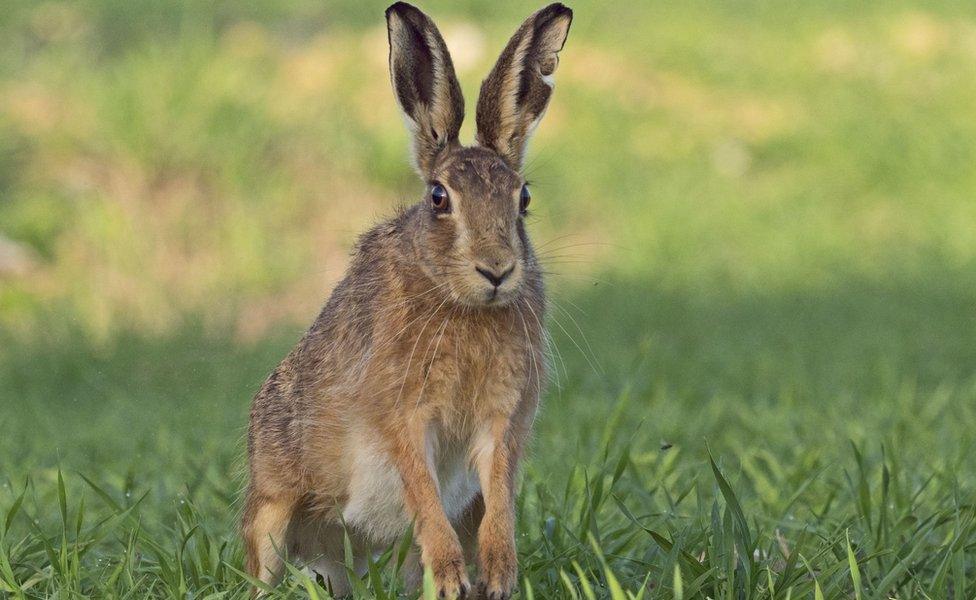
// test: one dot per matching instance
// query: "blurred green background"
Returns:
(760, 219)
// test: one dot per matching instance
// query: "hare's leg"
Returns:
(412, 570)
(466, 526)
(440, 549)
(265, 523)
(497, 463)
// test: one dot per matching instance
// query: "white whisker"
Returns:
(437, 345)
(406, 370)
(585, 340)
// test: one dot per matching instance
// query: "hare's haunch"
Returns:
(411, 397)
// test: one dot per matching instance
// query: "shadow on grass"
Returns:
(872, 361)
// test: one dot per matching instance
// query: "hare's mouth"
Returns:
(485, 297)
(496, 296)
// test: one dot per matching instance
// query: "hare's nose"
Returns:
(496, 277)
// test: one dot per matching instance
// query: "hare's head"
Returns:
(472, 239)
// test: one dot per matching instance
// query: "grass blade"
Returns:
(855, 570)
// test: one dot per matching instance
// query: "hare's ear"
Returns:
(516, 92)
(424, 83)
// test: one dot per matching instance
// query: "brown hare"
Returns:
(411, 397)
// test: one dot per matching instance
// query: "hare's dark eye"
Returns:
(439, 199)
(524, 198)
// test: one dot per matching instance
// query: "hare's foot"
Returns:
(498, 567)
(265, 522)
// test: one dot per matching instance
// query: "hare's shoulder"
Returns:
(345, 326)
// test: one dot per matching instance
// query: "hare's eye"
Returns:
(524, 198)
(439, 199)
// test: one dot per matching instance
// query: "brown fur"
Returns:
(414, 359)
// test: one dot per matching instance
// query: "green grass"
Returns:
(759, 220)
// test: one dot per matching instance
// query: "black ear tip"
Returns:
(552, 13)
(409, 14)
(558, 9)
(400, 8)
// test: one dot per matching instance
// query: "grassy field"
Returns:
(761, 224)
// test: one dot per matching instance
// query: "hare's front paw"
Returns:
(450, 577)
(498, 568)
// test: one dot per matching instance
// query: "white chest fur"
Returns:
(376, 506)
